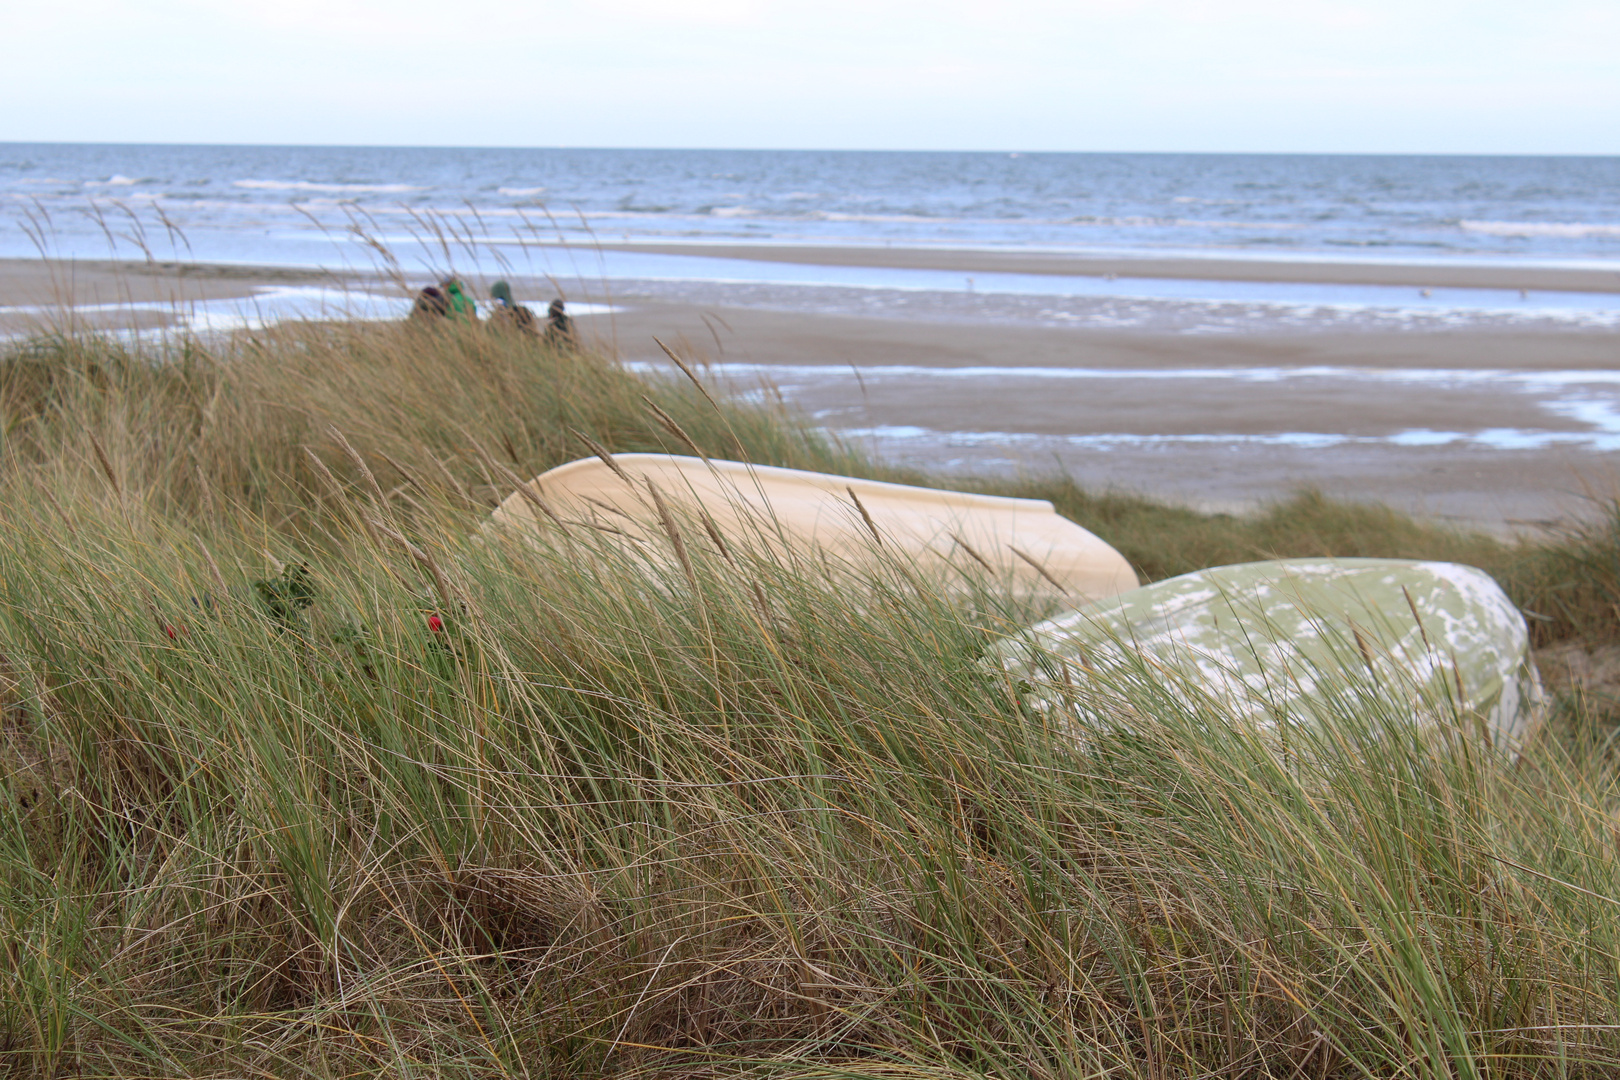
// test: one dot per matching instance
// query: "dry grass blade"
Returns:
(213, 567)
(600, 527)
(405, 473)
(1039, 569)
(967, 547)
(454, 484)
(689, 373)
(675, 538)
(441, 584)
(360, 464)
(602, 452)
(56, 507)
(871, 526)
(1363, 647)
(525, 491)
(760, 601)
(106, 465)
(324, 473)
(607, 507)
(710, 527)
(1422, 630)
(534, 499)
(673, 428)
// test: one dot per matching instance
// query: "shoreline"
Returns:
(1534, 277)
(1188, 268)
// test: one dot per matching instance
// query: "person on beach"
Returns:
(446, 300)
(507, 315)
(461, 305)
(431, 306)
(559, 327)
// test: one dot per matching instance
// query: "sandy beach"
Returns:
(106, 294)
(1498, 429)
(37, 281)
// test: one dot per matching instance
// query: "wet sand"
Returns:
(35, 281)
(1000, 414)
(720, 332)
(48, 290)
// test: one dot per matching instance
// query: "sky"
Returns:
(1358, 76)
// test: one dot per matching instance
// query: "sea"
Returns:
(567, 214)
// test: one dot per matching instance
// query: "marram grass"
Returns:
(303, 775)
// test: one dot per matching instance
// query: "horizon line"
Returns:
(806, 149)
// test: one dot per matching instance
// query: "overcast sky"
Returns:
(1399, 76)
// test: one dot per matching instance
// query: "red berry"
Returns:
(435, 624)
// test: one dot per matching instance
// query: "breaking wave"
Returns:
(311, 185)
(1566, 230)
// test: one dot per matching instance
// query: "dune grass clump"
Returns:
(205, 432)
(301, 774)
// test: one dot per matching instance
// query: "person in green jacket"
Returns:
(461, 305)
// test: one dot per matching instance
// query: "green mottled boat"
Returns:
(1300, 642)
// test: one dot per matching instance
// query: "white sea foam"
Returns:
(521, 192)
(1530, 381)
(875, 219)
(265, 308)
(311, 185)
(1492, 438)
(1601, 414)
(1178, 223)
(115, 180)
(1573, 230)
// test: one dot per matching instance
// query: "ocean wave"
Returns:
(311, 185)
(115, 180)
(881, 219)
(1138, 222)
(1572, 230)
(520, 192)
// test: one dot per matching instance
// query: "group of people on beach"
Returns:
(449, 300)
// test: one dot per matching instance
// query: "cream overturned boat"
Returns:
(1023, 543)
